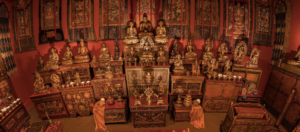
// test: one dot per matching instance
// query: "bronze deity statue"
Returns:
(223, 49)
(190, 53)
(118, 56)
(53, 62)
(253, 61)
(147, 54)
(161, 33)
(208, 55)
(212, 66)
(83, 51)
(77, 80)
(145, 27)
(104, 54)
(131, 57)
(40, 64)
(178, 66)
(227, 67)
(161, 58)
(195, 68)
(131, 34)
(108, 72)
(68, 57)
(39, 86)
(239, 54)
(56, 82)
(175, 49)
(296, 60)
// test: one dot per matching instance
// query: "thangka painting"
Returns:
(283, 15)
(177, 16)
(148, 7)
(81, 20)
(112, 19)
(50, 21)
(23, 26)
(8, 62)
(238, 22)
(207, 19)
(263, 22)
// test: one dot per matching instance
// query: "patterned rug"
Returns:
(175, 130)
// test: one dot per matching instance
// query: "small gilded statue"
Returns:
(212, 66)
(175, 49)
(296, 60)
(131, 57)
(39, 86)
(195, 68)
(147, 46)
(208, 55)
(83, 51)
(161, 33)
(239, 54)
(108, 72)
(131, 34)
(99, 73)
(253, 61)
(223, 49)
(77, 79)
(148, 78)
(178, 66)
(145, 27)
(161, 56)
(104, 55)
(227, 67)
(190, 53)
(56, 82)
(161, 92)
(68, 57)
(117, 51)
(40, 64)
(53, 62)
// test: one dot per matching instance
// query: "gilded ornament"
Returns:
(147, 53)
(195, 68)
(161, 33)
(118, 87)
(223, 49)
(39, 86)
(131, 57)
(187, 102)
(208, 55)
(68, 57)
(104, 54)
(190, 53)
(53, 62)
(77, 79)
(161, 92)
(145, 27)
(136, 97)
(179, 90)
(253, 61)
(227, 67)
(212, 66)
(296, 60)
(178, 66)
(83, 52)
(56, 82)
(161, 58)
(239, 54)
(175, 49)
(108, 72)
(131, 34)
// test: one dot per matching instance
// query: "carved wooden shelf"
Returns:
(181, 113)
(116, 113)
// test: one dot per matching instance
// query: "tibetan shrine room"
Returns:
(149, 66)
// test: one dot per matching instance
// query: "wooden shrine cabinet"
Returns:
(14, 120)
(100, 84)
(116, 67)
(7, 95)
(245, 117)
(50, 102)
(79, 100)
(181, 113)
(252, 75)
(116, 113)
(148, 115)
(192, 83)
(218, 94)
(70, 70)
(46, 75)
(173, 98)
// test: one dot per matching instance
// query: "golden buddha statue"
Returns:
(223, 49)
(131, 57)
(40, 64)
(161, 56)
(296, 60)
(83, 51)
(208, 55)
(104, 54)
(53, 62)
(56, 82)
(175, 49)
(147, 46)
(253, 61)
(68, 57)
(77, 79)
(39, 86)
(161, 33)
(131, 34)
(178, 66)
(212, 66)
(190, 53)
(108, 72)
(195, 68)
(145, 27)
(239, 54)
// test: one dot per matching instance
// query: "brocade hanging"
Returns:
(23, 26)
(50, 20)
(81, 20)
(283, 12)
(177, 16)
(8, 61)
(207, 19)
(263, 22)
(238, 22)
(112, 19)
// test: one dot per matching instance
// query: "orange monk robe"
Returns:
(98, 112)
(197, 117)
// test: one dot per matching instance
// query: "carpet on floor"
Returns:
(174, 130)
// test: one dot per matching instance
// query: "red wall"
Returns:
(27, 61)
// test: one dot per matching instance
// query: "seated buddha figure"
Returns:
(131, 34)
(208, 55)
(39, 86)
(145, 27)
(296, 60)
(175, 49)
(104, 55)
(147, 54)
(161, 33)
(68, 57)
(190, 53)
(178, 66)
(108, 72)
(53, 62)
(223, 49)
(83, 51)
(161, 56)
